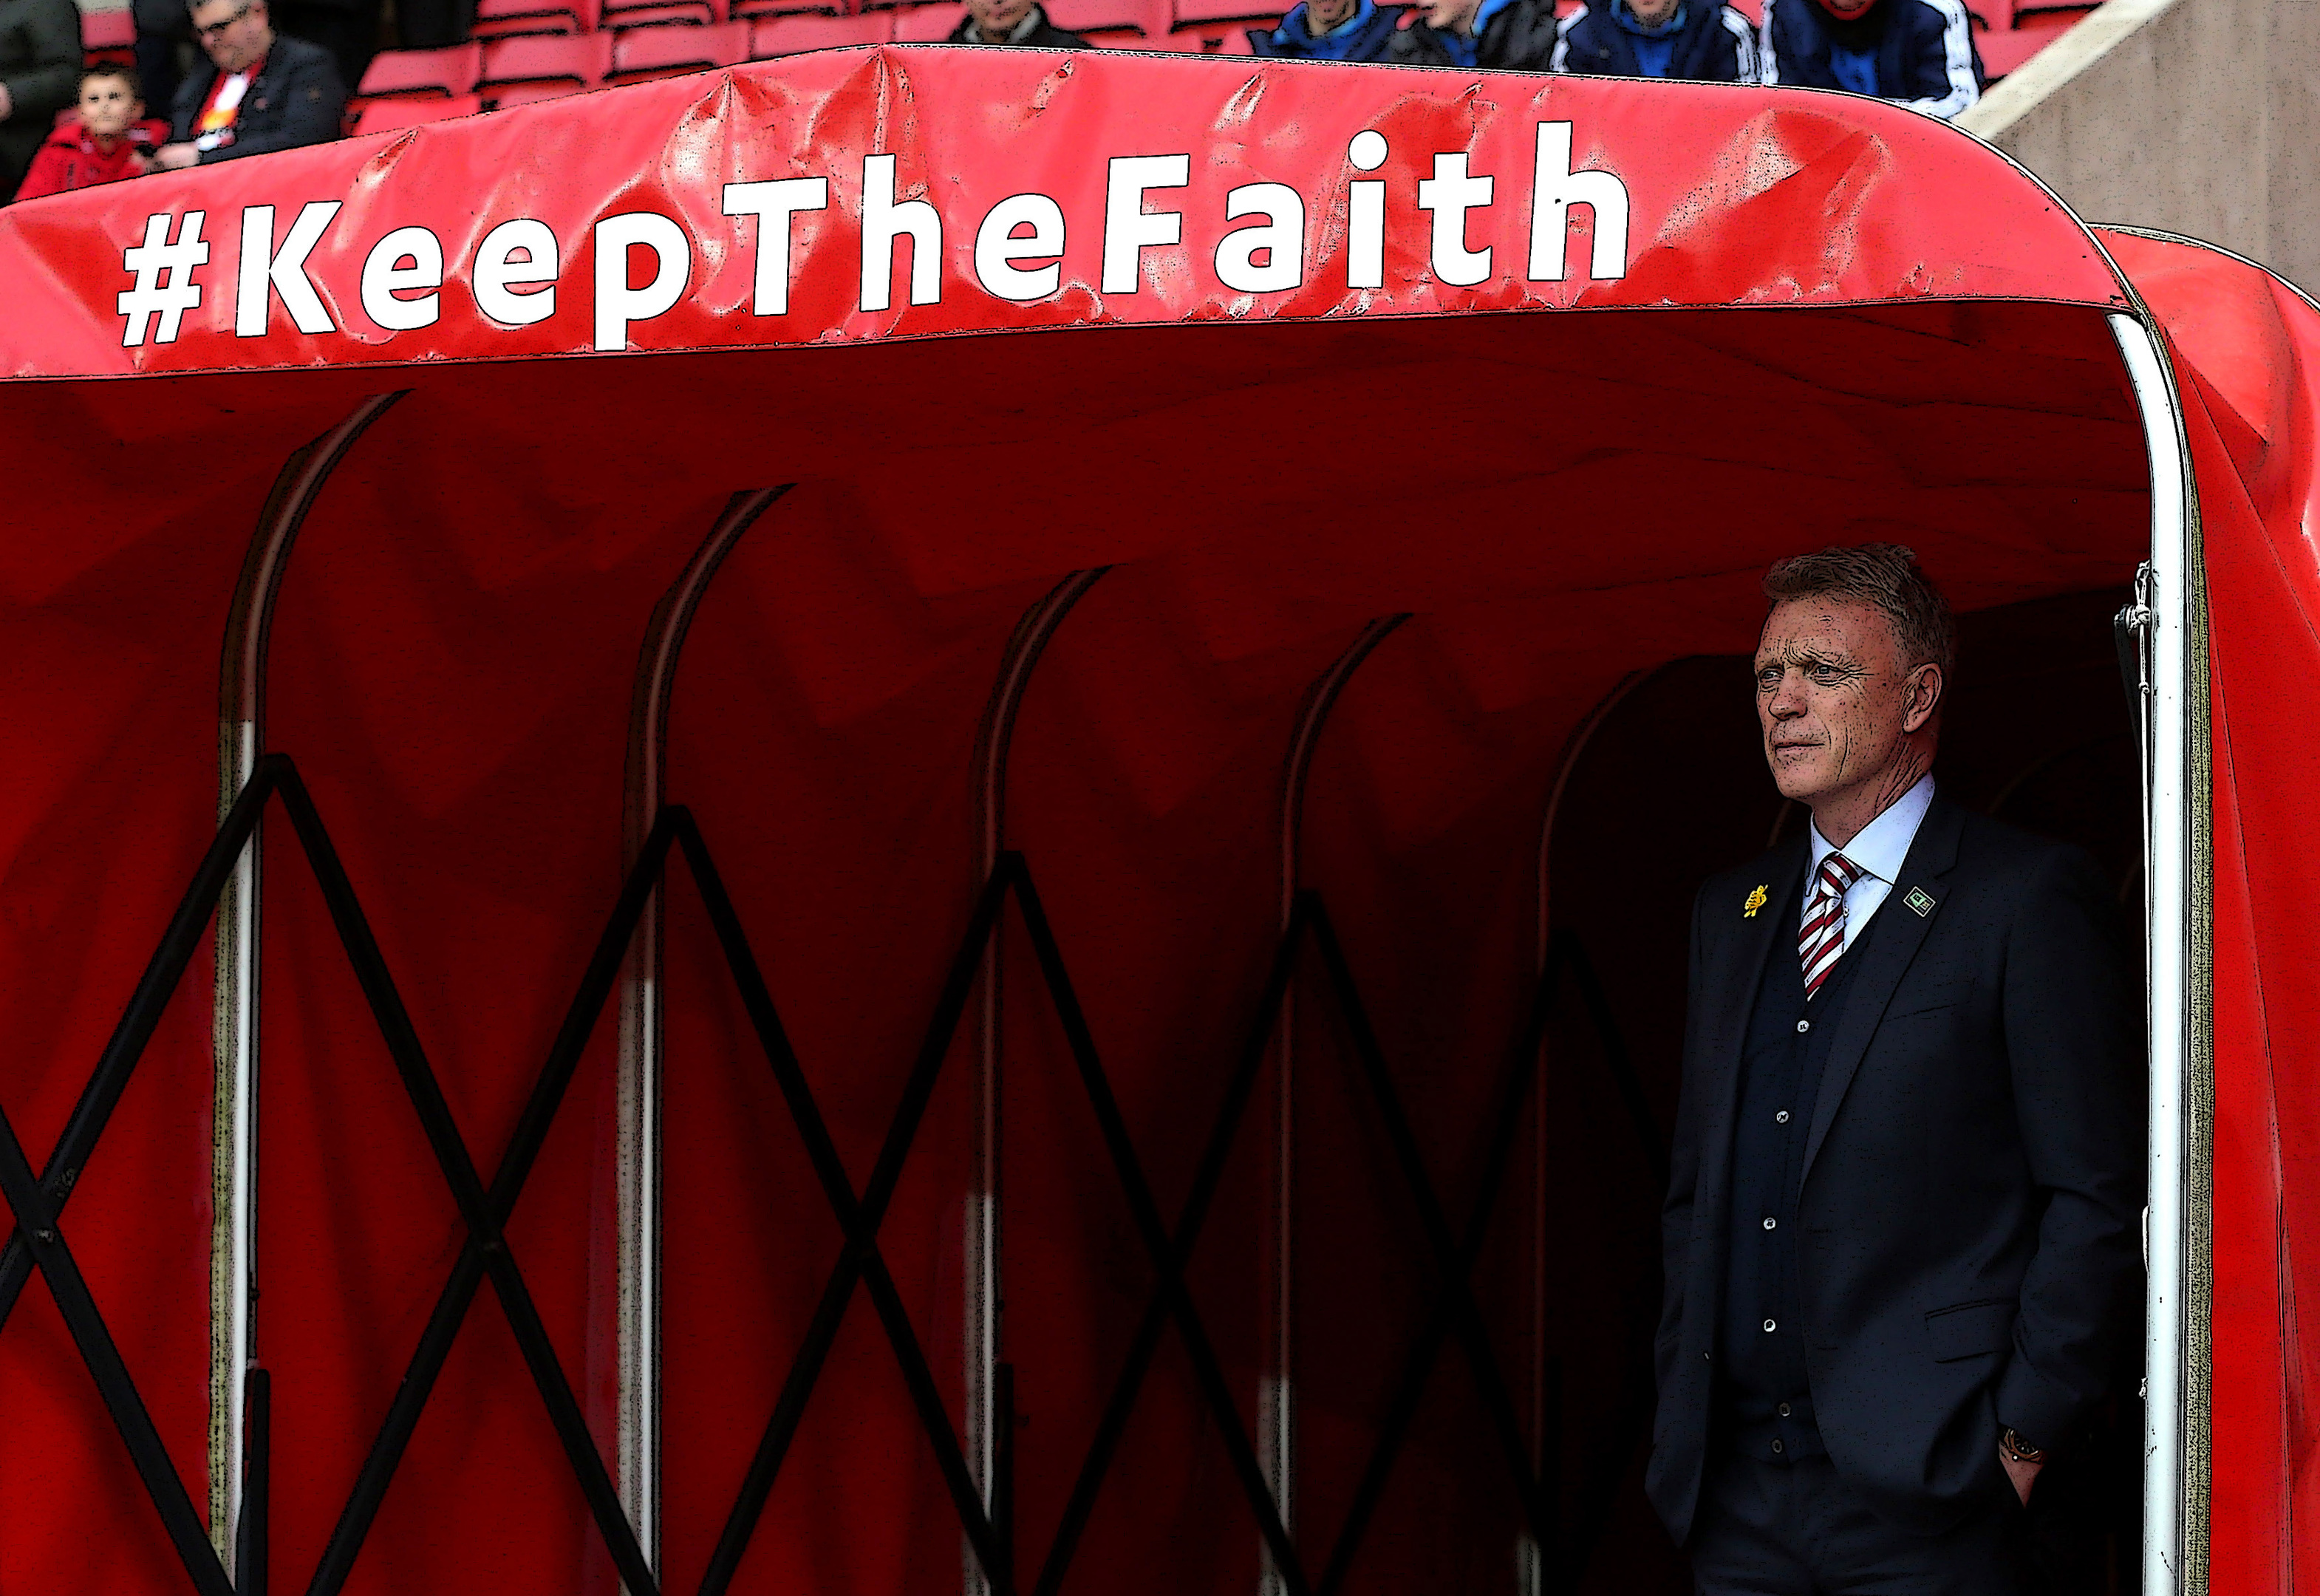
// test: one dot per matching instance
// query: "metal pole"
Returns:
(234, 1014)
(989, 1389)
(1277, 1392)
(636, 1447)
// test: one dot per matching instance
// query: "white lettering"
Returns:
(265, 273)
(1554, 189)
(1282, 239)
(147, 295)
(773, 204)
(885, 219)
(1450, 194)
(617, 304)
(498, 272)
(996, 248)
(1128, 229)
(1366, 214)
(384, 278)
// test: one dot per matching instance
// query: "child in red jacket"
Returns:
(109, 142)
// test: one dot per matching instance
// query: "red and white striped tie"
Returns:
(1822, 940)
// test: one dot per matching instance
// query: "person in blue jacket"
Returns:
(1695, 38)
(1497, 35)
(1331, 31)
(1920, 53)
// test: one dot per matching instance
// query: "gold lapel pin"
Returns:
(1918, 901)
(1756, 901)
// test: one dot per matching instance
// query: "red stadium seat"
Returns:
(928, 25)
(1138, 20)
(103, 34)
(792, 35)
(758, 8)
(507, 19)
(1193, 13)
(1219, 38)
(2004, 52)
(642, 54)
(387, 116)
(419, 74)
(533, 94)
(568, 61)
(1753, 10)
(646, 14)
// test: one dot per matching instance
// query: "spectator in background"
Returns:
(1505, 35)
(1700, 40)
(1332, 30)
(163, 31)
(39, 63)
(110, 141)
(1918, 53)
(260, 92)
(1012, 22)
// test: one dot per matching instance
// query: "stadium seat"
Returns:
(640, 55)
(1132, 21)
(758, 8)
(567, 62)
(793, 35)
(1196, 13)
(108, 36)
(508, 19)
(2003, 53)
(928, 25)
(646, 14)
(1219, 38)
(388, 116)
(534, 93)
(423, 74)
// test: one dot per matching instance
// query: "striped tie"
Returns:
(1822, 940)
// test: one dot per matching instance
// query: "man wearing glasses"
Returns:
(262, 91)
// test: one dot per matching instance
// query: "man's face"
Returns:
(235, 32)
(1653, 12)
(998, 18)
(1322, 15)
(1451, 16)
(1832, 698)
(107, 107)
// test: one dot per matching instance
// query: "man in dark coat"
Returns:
(1920, 53)
(40, 75)
(1331, 31)
(1503, 35)
(259, 92)
(1691, 39)
(1012, 22)
(1901, 1231)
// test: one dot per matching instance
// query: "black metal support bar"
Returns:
(860, 1262)
(484, 1247)
(1498, 1400)
(77, 1143)
(251, 1547)
(1239, 1086)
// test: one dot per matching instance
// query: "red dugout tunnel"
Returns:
(854, 949)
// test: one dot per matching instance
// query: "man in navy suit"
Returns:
(1901, 1232)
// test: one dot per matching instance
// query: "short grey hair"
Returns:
(1886, 575)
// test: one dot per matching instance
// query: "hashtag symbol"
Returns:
(149, 263)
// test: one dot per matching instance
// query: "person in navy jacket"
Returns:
(1918, 53)
(1331, 31)
(1694, 39)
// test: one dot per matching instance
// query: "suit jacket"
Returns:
(39, 63)
(295, 99)
(1968, 1255)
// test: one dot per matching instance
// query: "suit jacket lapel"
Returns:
(1730, 992)
(1901, 932)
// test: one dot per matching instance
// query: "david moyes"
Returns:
(1902, 1228)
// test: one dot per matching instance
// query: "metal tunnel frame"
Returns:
(636, 1449)
(234, 1039)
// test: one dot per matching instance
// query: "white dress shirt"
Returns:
(1879, 850)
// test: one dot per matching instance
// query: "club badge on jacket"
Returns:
(1756, 901)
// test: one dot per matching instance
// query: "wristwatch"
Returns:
(2018, 1450)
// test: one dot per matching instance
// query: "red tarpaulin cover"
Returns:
(1864, 323)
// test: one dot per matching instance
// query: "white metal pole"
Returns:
(2168, 701)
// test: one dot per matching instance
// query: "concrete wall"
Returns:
(2198, 116)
